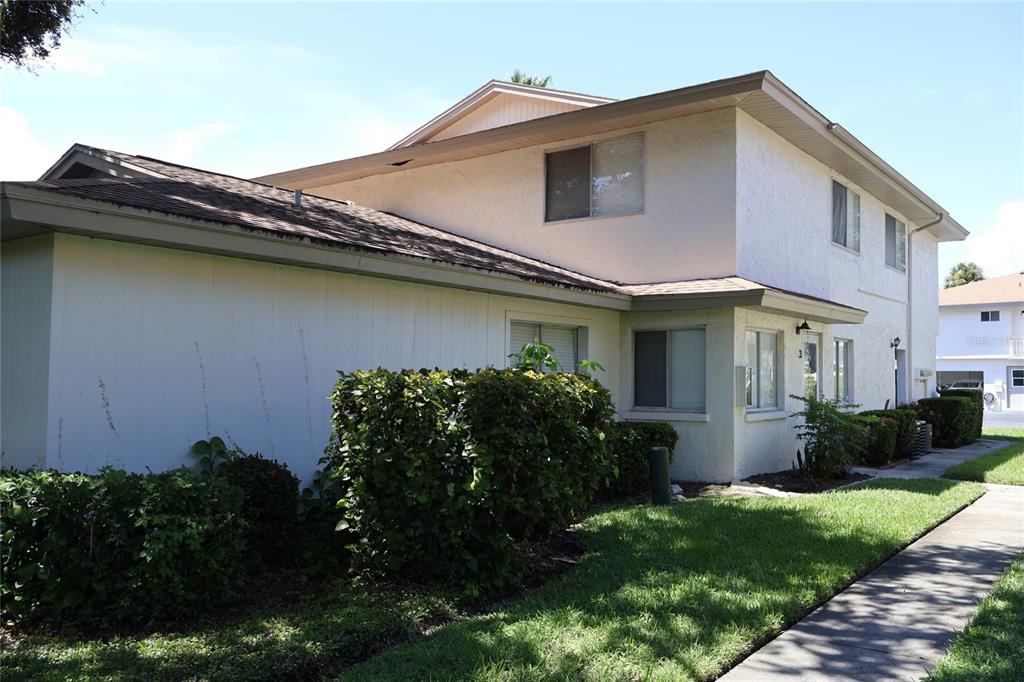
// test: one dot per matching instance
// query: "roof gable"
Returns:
(495, 104)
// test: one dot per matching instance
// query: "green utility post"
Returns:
(661, 486)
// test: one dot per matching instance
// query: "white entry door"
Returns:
(1015, 388)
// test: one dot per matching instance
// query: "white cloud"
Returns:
(22, 155)
(997, 247)
(184, 144)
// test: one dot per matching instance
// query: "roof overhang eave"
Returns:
(35, 211)
(763, 299)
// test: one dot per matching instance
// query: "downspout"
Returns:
(910, 306)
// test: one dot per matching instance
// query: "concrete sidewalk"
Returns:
(897, 621)
(936, 461)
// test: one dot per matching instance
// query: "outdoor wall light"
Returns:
(803, 327)
(895, 343)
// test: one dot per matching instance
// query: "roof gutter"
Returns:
(910, 304)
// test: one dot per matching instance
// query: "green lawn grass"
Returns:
(1005, 465)
(681, 592)
(675, 592)
(991, 648)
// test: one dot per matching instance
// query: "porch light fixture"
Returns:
(895, 343)
(803, 327)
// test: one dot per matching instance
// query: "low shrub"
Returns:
(951, 417)
(977, 414)
(118, 548)
(880, 443)
(445, 476)
(271, 496)
(906, 428)
(833, 439)
(629, 442)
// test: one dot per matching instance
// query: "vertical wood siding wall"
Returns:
(156, 348)
(27, 273)
(503, 110)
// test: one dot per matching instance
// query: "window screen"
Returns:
(568, 184)
(650, 360)
(602, 179)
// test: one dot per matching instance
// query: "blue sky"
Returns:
(936, 89)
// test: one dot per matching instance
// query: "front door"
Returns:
(1015, 388)
(812, 364)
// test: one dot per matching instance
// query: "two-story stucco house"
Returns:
(716, 248)
(981, 338)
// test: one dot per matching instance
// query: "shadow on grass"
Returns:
(301, 643)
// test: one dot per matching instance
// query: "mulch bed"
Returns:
(801, 482)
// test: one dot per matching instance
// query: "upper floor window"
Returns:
(564, 340)
(669, 369)
(762, 370)
(845, 216)
(895, 243)
(989, 315)
(601, 179)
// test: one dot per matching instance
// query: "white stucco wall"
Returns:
(784, 239)
(704, 451)
(156, 348)
(686, 230)
(26, 282)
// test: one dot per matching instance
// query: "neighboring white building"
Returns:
(716, 248)
(981, 337)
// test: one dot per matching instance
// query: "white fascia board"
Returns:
(94, 158)
(795, 305)
(79, 216)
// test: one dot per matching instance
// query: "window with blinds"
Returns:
(565, 341)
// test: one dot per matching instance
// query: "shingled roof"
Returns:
(1005, 289)
(214, 197)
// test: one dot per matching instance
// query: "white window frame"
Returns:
(580, 333)
(1014, 379)
(900, 238)
(853, 219)
(668, 369)
(848, 370)
(756, 370)
(590, 207)
(990, 316)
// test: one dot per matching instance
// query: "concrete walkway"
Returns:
(897, 621)
(936, 461)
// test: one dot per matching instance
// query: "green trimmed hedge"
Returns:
(882, 434)
(978, 414)
(447, 475)
(271, 495)
(629, 443)
(952, 419)
(118, 548)
(906, 421)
